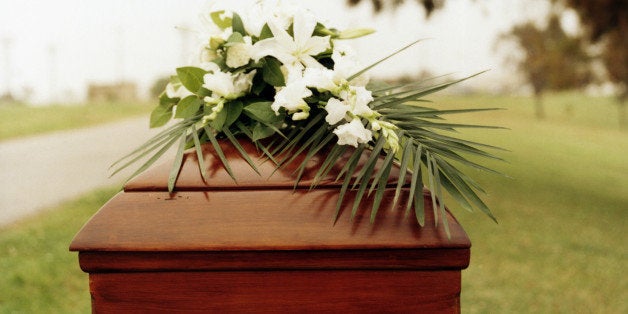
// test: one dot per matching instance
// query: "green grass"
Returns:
(20, 120)
(559, 246)
(39, 274)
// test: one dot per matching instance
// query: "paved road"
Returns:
(41, 171)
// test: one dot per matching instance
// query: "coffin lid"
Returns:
(269, 177)
(260, 222)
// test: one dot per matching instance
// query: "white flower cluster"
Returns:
(287, 34)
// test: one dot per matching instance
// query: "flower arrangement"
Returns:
(283, 74)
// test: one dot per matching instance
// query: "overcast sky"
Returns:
(57, 48)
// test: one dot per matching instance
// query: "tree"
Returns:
(378, 5)
(552, 59)
(606, 23)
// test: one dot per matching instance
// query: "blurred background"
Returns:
(78, 80)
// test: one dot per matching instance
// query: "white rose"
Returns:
(220, 83)
(227, 85)
(243, 82)
(353, 133)
(239, 54)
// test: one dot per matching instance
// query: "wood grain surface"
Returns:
(277, 292)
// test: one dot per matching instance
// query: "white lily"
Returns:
(321, 79)
(294, 52)
(262, 12)
(353, 133)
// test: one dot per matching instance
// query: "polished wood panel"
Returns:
(256, 220)
(339, 291)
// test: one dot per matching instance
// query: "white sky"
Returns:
(58, 47)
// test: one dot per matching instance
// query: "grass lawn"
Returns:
(559, 246)
(560, 243)
(39, 274)
(20, 120)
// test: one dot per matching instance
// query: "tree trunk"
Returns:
(538, 106)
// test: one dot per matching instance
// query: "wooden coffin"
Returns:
(258, 245)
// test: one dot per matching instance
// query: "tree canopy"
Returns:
(552, 59)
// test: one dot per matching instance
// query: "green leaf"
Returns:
(153, 146)
(403, 168)
(233, 109)
(381, 172)
(348, 169)
(266, 32)
(240, 149)
(235, 38)
(328, 164)
(237, 24)
(220, 22)
(439, 196)
(152, 142)
(199, 154)
(312, 151)
(419, 200)
(160, 115)
(271, 72)
(382, 180)
(261, 131)
(262, 112)
(219, 122)
(454, 192)
(244, 129)
(154, 158)
(258, 84)
(297, 135)
(311, 140)
(366, 170)
(454, 175)
(187, 107)
(374, 156)
(431, 181)
(415, 183)
(191, 77)
(176, 165)
(219, 152)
